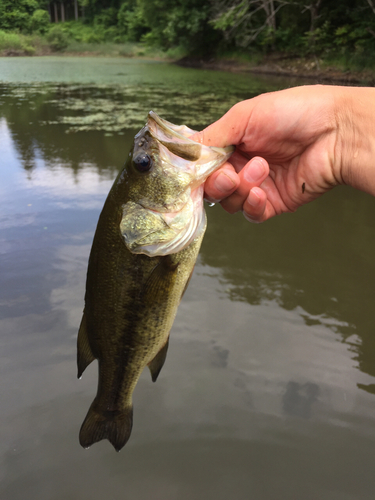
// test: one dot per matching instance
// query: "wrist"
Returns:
(355, 146)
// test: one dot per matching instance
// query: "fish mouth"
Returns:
(176, 139)
(181, 132)
(162, 229)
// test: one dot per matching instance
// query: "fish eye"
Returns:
(142, 162)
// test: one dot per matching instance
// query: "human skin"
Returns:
(291, 147)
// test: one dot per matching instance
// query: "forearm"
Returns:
(355, 146)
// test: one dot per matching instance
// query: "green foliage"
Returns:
(78, 31)
(57, 38)
(130, 22)
(319, 40)
(182, 22)
(15, 44)
(299, 26)
(106, 18)
(39, 21)
(324, 28)
(16, 14)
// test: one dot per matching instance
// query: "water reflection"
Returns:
(213, 468)
(317, 262)
(28, 119)
(298, 399)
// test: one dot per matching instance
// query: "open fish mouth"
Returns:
(176, 138)
(169, 223)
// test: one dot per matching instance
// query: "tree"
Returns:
(313, 7)
(242, 21)
(130, 21)
(179, 23)
(40, 21)
(16, 14)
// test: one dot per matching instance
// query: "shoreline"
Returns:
(287, 67)
(273, 65)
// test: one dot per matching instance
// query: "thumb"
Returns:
(229, 129)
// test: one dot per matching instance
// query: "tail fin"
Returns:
(116, 426)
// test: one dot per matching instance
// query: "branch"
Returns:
(241, 12)
(372, 6)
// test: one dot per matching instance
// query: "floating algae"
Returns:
(116, 108)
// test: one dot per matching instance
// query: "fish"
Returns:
(143, 254)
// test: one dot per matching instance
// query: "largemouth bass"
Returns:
(143, 254)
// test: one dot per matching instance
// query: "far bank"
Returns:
(316, 69)
(312, 68)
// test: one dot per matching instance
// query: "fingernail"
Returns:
(208, 199)
(250, 219)
(253, 198)
(224, 183)
(255, 171)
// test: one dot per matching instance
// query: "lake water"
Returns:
(268, 391)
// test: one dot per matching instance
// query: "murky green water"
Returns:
(268, 391)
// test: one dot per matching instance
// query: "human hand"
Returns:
(291, 147)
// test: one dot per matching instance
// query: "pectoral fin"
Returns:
(160, 279)
(84, 354)
(157, 363)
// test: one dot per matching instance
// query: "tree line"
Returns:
(206, 27)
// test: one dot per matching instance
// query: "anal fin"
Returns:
(84, 353)
(157, 363)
